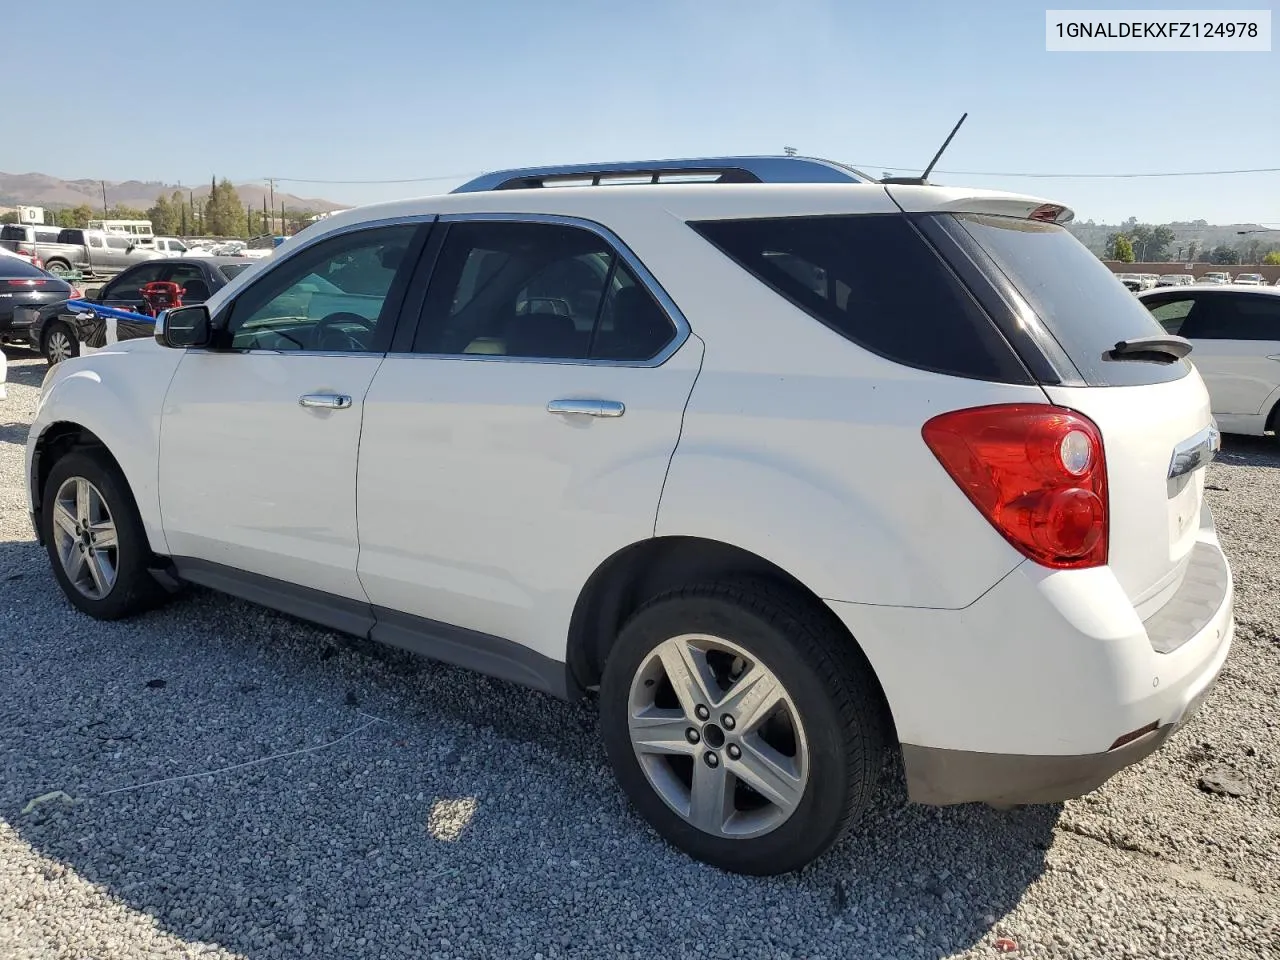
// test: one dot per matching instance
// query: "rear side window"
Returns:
(875, 281)
(1075, 296)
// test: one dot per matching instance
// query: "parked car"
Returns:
(55, 332)
(787, 477)
(25, 257)
(1236, 333)
(1175, 280)
(1132, 282)
(23, 285)
(1249, 280)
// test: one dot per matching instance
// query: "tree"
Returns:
(10, 217)
(1272, 259)
(1222, 254)
(1192, 249)
(1119, 248)
(76, 216)
(1152, 243)
(224, 216)
(165, 219)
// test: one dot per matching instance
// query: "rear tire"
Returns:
(95, 540)
(59, 268)
(59, 343)
(816, 757)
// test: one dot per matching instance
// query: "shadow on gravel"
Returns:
(1250, 451)
(341, 852)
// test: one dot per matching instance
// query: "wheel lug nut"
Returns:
(713, 759)
(727, 721)
(701, 712)
(692, 735)
(733, 751)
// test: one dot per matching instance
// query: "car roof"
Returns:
(689, 201)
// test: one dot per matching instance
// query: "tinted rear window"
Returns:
(875, 281)
(229, 270)
(1077, 298)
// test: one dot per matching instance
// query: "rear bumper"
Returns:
(1022, 696)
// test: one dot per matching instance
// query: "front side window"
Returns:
(329, 298)
(538, 291)
(1228, 317)
(128, 286)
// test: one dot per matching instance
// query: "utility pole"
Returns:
(271, 185)
(104, 197)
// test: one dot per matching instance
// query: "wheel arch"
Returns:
(636, 573)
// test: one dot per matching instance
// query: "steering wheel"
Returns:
(326, 337)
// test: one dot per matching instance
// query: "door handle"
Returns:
(588, 408)
(326, 401)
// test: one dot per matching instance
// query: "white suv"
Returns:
(789, 474)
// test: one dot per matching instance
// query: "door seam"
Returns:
(684, 412)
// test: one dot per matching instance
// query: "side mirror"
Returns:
(184, 327)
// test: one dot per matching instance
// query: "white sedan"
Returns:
(1236, 334)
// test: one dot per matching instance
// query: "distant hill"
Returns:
(42, 190)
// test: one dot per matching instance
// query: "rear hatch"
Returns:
(1065, 307)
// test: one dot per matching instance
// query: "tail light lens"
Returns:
(76, 294)
(1036, 472)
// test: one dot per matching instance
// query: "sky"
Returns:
(345, 90)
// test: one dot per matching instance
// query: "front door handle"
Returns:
(326, 401)
(588, 408)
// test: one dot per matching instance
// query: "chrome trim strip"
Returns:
(1195, 452)
(767, 169)
(650, 282)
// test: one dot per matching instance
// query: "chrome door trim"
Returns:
(325, 401)
(587, 408)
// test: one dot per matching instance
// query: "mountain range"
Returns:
(42, 190)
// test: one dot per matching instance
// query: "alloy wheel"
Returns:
(718, 736)
(58, 346)
(85, 537)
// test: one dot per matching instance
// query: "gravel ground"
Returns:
(364, 803)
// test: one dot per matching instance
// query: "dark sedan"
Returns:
(54, 333)
(24, 289)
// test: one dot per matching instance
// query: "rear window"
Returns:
(13, 233)
(875, 281)
(1075, 295)
(230, 270)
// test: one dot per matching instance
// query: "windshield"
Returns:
(1075, 296)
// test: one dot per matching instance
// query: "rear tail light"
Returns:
(76, 294)
(25, 282)
(1036, 472)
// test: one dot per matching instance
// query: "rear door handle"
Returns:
(588, 408)
(326, 401)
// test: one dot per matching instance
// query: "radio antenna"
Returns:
(923, 179)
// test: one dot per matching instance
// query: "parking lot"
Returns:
(216, 780)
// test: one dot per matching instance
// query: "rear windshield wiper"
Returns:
(1155, 349)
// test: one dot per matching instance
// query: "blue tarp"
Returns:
(86, 306)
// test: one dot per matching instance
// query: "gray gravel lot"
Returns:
(381, 806)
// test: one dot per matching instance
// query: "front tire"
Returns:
(59, 343)
(741, 725)
(95, 539)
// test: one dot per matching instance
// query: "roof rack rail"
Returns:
(766, 169)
